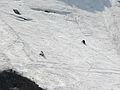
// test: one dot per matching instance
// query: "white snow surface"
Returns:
(68, 63)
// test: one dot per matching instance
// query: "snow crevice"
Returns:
(51, 11)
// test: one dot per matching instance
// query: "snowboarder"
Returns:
(42, 54)
(83, 41)
(16, 11)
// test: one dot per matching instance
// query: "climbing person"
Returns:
(42, 54)
(83, 41)
(16, 11)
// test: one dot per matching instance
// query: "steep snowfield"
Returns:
(57, 28)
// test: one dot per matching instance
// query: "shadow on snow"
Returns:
(89, 5)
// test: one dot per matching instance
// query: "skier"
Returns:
(42, 54)
(83, 41)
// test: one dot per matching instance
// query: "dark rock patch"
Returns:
(11, 80)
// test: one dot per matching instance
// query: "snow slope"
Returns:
(57, 28)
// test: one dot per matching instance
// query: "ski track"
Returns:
(69, 65)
